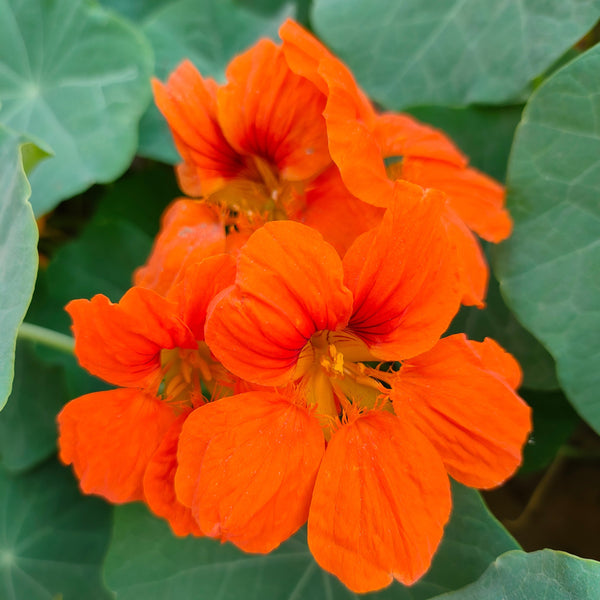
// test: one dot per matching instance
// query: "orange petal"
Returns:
(188, 103)
(202, 282)
(403, 136)
(352, 144)
(289, 285)
(335, 213)
(303, 53)
(460, 395)
(380, 503)
(261, 457)
(404, 276)
(190, 231)
(477, 199)
(472, 264)
(159, 484)
(109, 438)
(121, 343)
(268, 111)
(349, 115)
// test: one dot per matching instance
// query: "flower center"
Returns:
(336, 378)
(261, 196)
(191, 377)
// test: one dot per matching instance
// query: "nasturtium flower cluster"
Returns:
(281, 358)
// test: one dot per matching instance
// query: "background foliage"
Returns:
(516, 83)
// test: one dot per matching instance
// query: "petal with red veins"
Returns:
(404, 276)
(289, 285)
(266, 110)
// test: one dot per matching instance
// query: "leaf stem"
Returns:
(47, 337)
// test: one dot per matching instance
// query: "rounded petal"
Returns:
(380, 503)
(109, 438)
(202, 282)
(403, 136)
(472, 264)
(121, 343)
(159, 484)
(404, 276)
(335, 213)
(289, 285)
(190, 231)
(461, 396)
(188, 103)
(260, 456)
(352, 143)
(476, 198)
(268, 111)
(303, 53)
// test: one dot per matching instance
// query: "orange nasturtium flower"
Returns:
(122, 443)
(372, 150)
(257, 146)
(349, 440)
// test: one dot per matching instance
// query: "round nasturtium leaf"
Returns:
(77, 77)
(543, 575)
(52, 539)
(146, 561)
(18, 253)
(454, 52)
(549, 268)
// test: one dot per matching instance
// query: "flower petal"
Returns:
(289, 285)
(460, 395)
(335, 213)
(268, 111)
(472, 264)
(109, 438)
(380, 503)
(202, 282)
(353, 147)
(159, 484)
(303, 52)
(477, 199)
(404, 276)
(188, 103)
(190, 232)
(121, 343)
(257, 471)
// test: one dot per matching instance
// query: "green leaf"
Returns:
(101, 261)
(18, 253)
(48, 312)
(549, 268)
(146, 561)
(140, 197)
(484, 134)
(78, 78)
(498, 322)
(207, 32)
(455, 52)
(52, 539)
(543, 575)
(28, 423)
